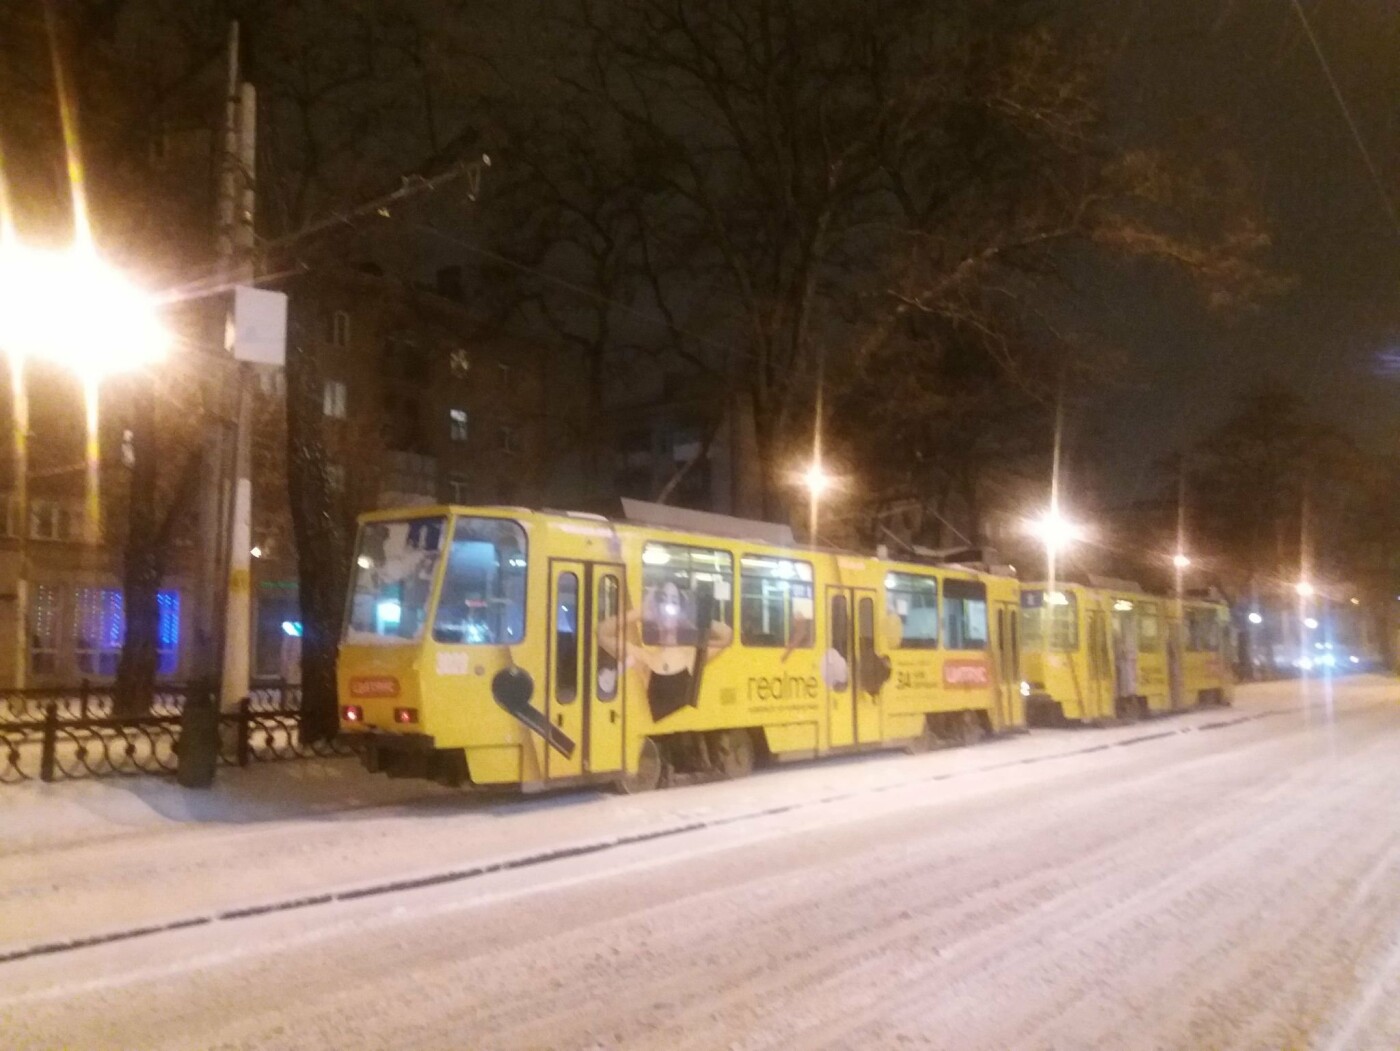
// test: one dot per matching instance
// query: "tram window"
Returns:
(483, 591)
(675, 580)
(965, 614)
(914, 599)
(840, 626)
(865, 630)
(607, 641)
(1149, 627)
(775, 602)
(394, 567)
(1202, 631)
(1064, 620)
(566, 638)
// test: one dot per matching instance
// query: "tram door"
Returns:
(1008, 666)
(852, 667)
(585, 681)
(1099, 701)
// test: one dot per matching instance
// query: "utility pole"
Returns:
(238, 586)
(226, 504)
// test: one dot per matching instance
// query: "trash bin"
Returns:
(199, 739)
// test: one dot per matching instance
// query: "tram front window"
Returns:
(483, 590)
(393, 580)
(1063, 617)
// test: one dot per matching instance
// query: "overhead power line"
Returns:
(1346, 115)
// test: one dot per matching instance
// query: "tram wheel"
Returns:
(651, 770)
(734, 754)
(969, 729)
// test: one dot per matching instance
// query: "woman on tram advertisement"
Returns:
(665, 641)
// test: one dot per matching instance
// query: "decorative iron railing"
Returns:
(58, 735)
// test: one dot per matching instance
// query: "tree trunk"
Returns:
(322, 553)
(142, 564)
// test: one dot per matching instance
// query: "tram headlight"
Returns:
(1025, 688)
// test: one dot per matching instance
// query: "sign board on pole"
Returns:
(259, 326)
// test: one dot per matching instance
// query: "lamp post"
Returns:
(72, 310)
(817, 483)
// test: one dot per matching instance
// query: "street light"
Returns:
(70, 309)
(1055, 531)
(817, 480)
(1181, 561)
(1305, 589)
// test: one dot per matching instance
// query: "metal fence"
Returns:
(61, 735)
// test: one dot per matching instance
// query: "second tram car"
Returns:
(1096, 654)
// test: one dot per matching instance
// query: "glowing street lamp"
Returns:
(1181, 561)
(1055, 531)
(72, 310)
(1305, 589)
(817, 481)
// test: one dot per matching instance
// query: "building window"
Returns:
(168, 633)
(52, 521)
(508, 442)
(98, 629)
(459, 364)
(333, 399)
(457, 424)
(459, 490)
(44, 619)
(775, 602)
(503, 371)
(335, 477)
(340, 329)
(914, 600)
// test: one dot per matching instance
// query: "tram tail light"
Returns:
(405, 715)
(352, 713)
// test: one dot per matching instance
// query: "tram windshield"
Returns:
(394, 567)
(1063, 616)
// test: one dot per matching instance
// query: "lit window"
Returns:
(335, 477)
(775, 602)
(457, 421)
(680, 586)
(333, 399)
(965, 614)
(44, 620)
(914, 600)
(168, 633)
(460, 490)
(98, 630)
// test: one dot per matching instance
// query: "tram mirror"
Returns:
(894, 630)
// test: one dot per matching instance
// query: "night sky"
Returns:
(1249, 64)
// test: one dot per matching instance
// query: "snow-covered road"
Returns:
(1220, 879)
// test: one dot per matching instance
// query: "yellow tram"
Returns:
(503, 646)
(1095, 654)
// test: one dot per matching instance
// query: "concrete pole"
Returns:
(238, 597)
(237, 648)
(20, 435)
